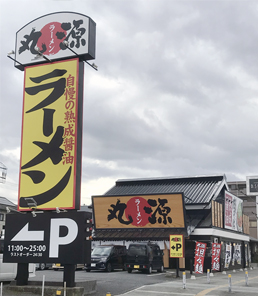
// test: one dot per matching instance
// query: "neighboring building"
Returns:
(4, 202)
(238, 188)
(205, 203)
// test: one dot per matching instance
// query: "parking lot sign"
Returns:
(176, 246)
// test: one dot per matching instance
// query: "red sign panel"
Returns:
(200, 249)
(216, 250)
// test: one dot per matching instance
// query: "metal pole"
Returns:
(246, 278)
(1, 290)
(43, 285)
(184, 280)
(191, 266)
(64, 288)
(229, 283)
(177, 267)
(208, 276)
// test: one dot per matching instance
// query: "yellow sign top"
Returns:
(176, 246)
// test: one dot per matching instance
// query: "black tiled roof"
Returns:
(197, 189)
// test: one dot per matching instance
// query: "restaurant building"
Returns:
(211, 215)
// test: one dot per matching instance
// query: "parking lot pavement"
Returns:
(219, 285)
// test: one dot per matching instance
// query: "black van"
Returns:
(107, 258)
(144, 257)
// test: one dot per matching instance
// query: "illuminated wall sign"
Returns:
(47, 34)
(233, 212)
(176, 246)
(51, 136)
(48, 237)
(252, 185)
(139, 211)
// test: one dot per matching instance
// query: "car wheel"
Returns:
(42, 266)
(109, 267)
(161, 269)
(129, 270)
(149, 270)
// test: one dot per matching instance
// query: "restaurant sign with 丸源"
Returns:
(139, 211)
(55, 36)
(50, 169)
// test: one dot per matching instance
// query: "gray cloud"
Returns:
(175, 94)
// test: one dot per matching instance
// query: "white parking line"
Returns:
(155, 292)
(155, 274)
(167, 293)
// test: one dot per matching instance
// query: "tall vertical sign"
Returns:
(51, 50)
(51, 135)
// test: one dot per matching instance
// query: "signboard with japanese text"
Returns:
(237, 254)
(215, 256)
(233, 212)
(176, 246)
(228, 255)
(217, 219)
(52, 35)
(139, 211)
(252, 185)
(200, 249)
(47, 238)
(50, 170)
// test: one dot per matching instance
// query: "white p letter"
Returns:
(55, 240)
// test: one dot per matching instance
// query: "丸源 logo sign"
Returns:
(53, 36)
(139, 211)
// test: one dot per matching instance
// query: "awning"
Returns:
(137, 234)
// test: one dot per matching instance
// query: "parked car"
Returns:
(144, 257)
(8, 271)
(107, 258)
(43, 266)
(59, 266)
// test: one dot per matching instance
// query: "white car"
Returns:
(8, 271)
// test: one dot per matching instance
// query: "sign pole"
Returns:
(69, 275)
(22, 274)
(177, 267)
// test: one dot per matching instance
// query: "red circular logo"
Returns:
(135, 208)
(52, 35)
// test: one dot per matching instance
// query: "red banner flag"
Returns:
(215, 259)
(200, 249)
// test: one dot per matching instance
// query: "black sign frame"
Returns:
(27, 250)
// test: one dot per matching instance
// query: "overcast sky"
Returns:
(176, 93)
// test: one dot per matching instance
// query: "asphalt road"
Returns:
(116, 282)
(120, 283)
(218, 286)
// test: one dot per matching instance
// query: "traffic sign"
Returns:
(47, 238)
(176, 246)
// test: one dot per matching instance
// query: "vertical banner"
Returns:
(50, 171)
(200, 249)
(228, 255)
(215, 259)
(233, 212)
